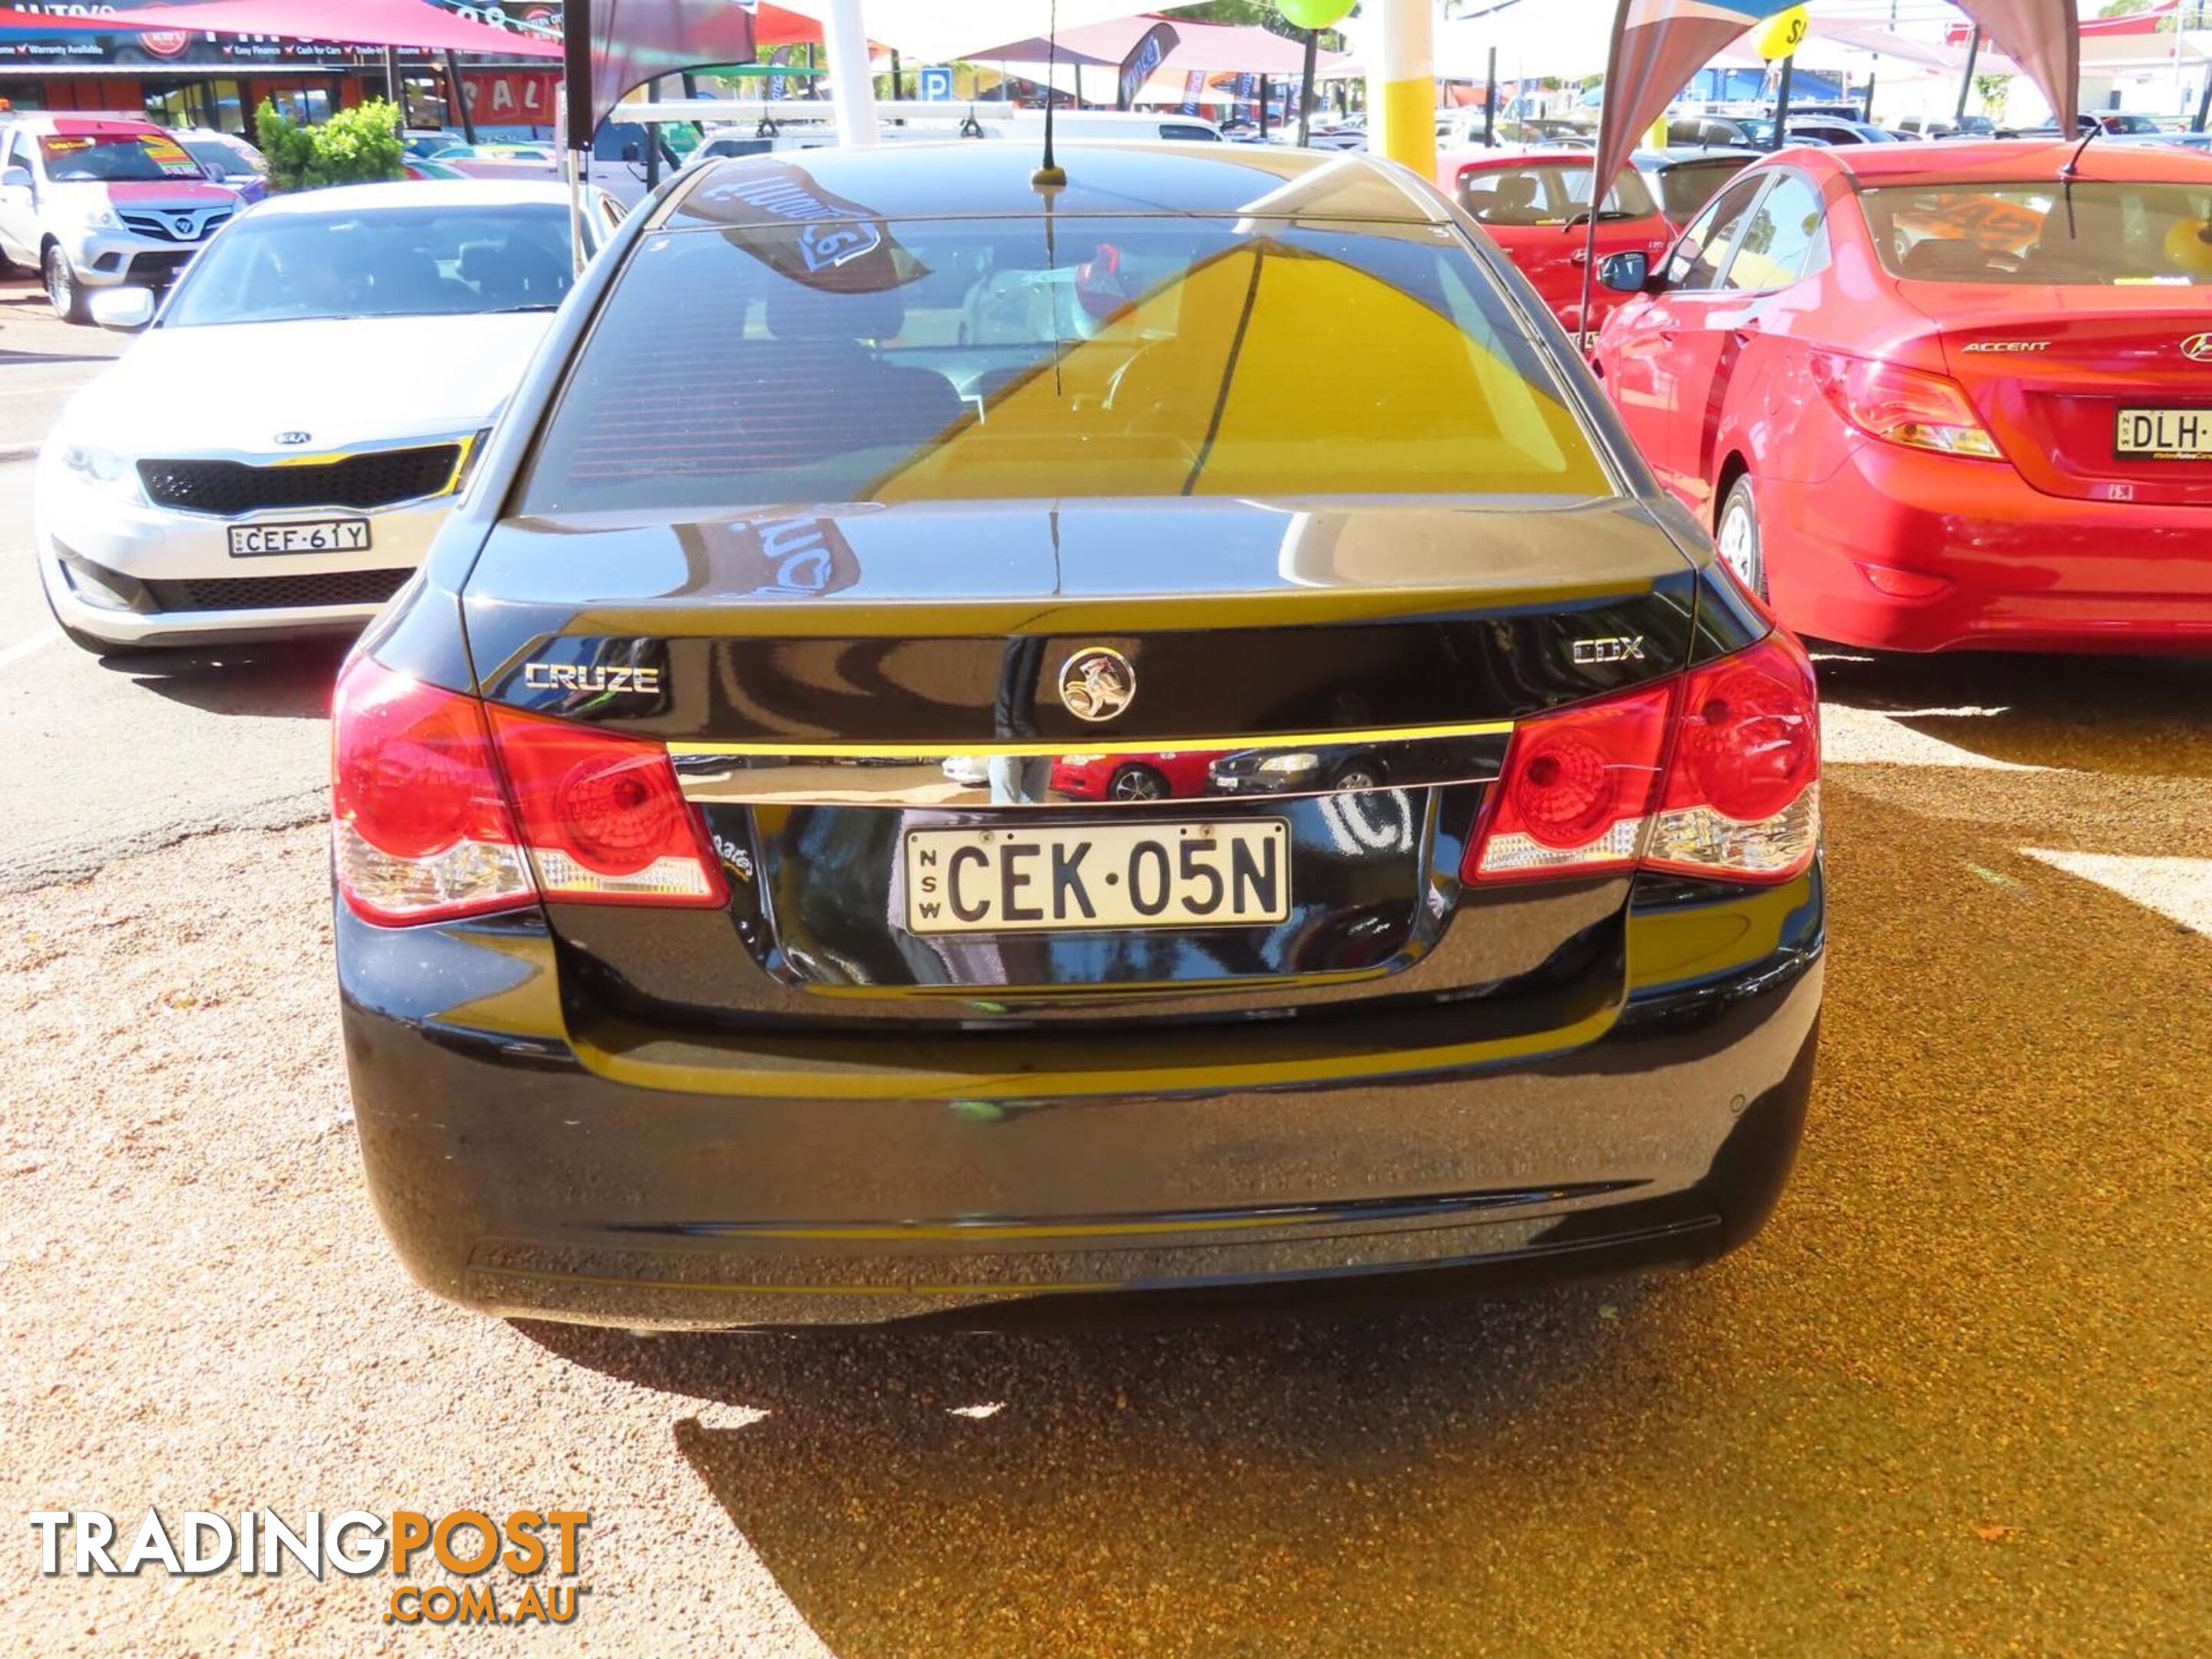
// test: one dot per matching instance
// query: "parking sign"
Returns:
(936, 85)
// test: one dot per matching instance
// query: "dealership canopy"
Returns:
(406, 23)
(1658, 45)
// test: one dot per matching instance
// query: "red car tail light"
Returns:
(1576, 796)
(1717, 773)
(1900, 406)
(419, 831)
(603, 817)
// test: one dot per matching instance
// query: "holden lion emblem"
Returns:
(1096, 684)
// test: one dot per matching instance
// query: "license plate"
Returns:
(2166, 434)
(302, 535)
(1065, 877)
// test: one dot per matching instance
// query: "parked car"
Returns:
(1684, 180)
(102, 201)
(1339, 767)
(226, 159)
(434, 144)
(1829, 130)
(1535, 205)
(1932, 397)
(1154, 775)
(220, 481)
(627, 1044)
(1719, 132)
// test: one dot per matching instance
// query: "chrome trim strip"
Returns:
(991, 776)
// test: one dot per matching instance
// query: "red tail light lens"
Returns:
(419, 830)
(1902, 405)
(1715, 775)
(603, 817)
(1743, 792)
(1577, 793)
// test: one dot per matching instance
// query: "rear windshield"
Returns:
(1552, 194)
(380, 262)
(948, 360)
(2097, 234)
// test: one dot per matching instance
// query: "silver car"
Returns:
(273, 457)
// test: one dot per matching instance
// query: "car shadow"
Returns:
(1094, 1490)
(2137, 716)
(283, 679)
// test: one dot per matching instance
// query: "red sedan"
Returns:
(1133, 777)
(1535, 205)
(1942, 396)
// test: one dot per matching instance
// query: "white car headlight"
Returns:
(1290, 765)
(102, 469)
(99, 216)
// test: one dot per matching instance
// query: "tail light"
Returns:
(1902, 405)
(1577, 790)
(420, 830)
(603, 817)
(438, 814)
(1717, 773)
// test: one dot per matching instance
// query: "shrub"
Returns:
(355, 146)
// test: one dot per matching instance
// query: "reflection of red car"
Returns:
(1940, 397)
(1133, 777)
(1535, 205)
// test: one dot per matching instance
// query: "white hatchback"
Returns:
(274, 456)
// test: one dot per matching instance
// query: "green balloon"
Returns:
(1315, 13)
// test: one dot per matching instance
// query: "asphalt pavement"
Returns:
(1954, 1399)
(42, 360)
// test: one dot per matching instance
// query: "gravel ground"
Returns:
(1955, 1399)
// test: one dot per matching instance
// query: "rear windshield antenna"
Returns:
(2073, 167)
(1051, 175)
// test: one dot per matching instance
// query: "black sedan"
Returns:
(662, 1010)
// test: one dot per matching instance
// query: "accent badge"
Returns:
(1096, 684)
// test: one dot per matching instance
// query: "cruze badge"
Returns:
(571, 677)
(1096, 684)
(2197, 348)
(1621, 648)
(294, 440)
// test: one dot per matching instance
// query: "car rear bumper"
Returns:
(2019, 569)
(527, 1168)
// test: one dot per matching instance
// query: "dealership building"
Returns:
(218, 78)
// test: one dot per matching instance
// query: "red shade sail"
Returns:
(407, 23)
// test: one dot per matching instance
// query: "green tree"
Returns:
(2122, 8)
(355, 146)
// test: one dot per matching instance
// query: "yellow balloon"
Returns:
(1783, 33)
